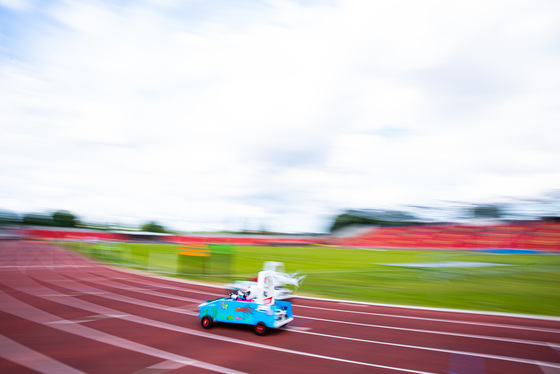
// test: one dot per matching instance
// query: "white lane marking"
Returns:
(130, 300)
(159, 277)
(474, 336)
(159, 285)
(95, 317)
(499, 325)
(352, 304)
(162, 367)
(483, 355)
(546, 370)
(23, 310)
(444, 264)
(50, 294)
(166, 365)
(107, 282)
(24, 356)
(27, 311)
(143, 303)
(62, 321)
(296, 328)
(434, 309)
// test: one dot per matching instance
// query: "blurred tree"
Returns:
(344, 220)
(544, 206)
(64, 218)
(7, 217)
(37, 219)
(153, 227)
(373, 217)
(486, 211)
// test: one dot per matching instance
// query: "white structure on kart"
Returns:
(280, 277)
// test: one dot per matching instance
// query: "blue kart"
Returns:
(262, 311)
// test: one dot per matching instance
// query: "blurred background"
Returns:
(276, 116)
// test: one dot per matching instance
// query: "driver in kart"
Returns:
(242, 296)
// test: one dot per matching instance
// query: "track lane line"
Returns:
(88, 290)
(473, 336)
(120, 286)
(498, 325)
(29, 358)
(141, 280)
(451, 351)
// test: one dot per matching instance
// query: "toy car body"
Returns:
(263, 312)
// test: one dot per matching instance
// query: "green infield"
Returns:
(515, 283)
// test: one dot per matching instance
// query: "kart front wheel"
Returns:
(261, 329)
(206, 322)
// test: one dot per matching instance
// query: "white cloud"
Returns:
(283, 111)
(18, 5)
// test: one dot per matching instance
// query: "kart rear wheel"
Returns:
(261, 329)
(206, 322)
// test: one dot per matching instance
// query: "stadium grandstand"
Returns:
(77, 234)
(536, 235)
(530, 235)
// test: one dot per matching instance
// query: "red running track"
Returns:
(61, 313)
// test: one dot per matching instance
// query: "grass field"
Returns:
(519, 283)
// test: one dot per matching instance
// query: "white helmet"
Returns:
(251, 292)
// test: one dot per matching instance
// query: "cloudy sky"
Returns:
(207, 115)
